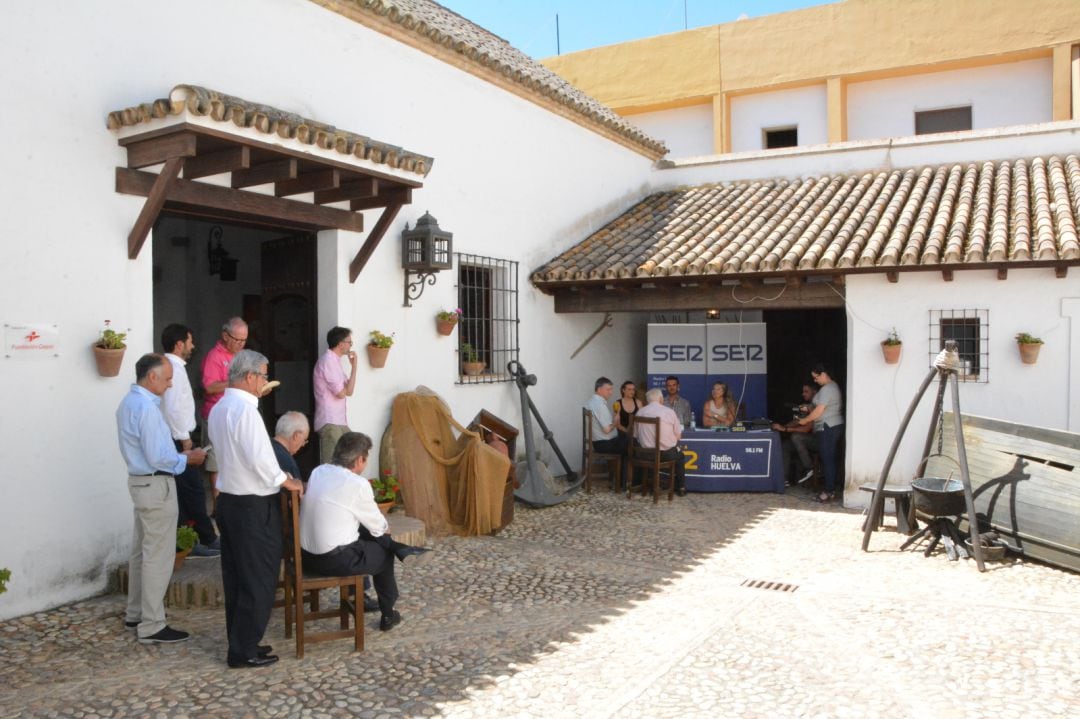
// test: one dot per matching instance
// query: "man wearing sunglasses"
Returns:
(215, 378)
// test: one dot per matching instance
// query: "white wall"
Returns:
(510, 180)
(879, 394)
(1014, 93)
(688, 131)
(806, 107)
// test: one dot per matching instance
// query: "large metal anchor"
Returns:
(537, 486)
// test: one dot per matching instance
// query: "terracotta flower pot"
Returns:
(108, 361)
(1029, 351)
(891, 352)
(445, 327)
(473, 368)
(385, 507)
(377, 356)
(181, 555)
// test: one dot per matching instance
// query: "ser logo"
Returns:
(737, 353)
(678, 353)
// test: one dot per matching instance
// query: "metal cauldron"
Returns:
(939, 497)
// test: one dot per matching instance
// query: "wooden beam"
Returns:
(1002, 273)
(353, 190)
(159, 149)
(373, 240)
(397, 196)
(309, 181)
(947, 275)
(216, 163)
(1061, 272)
(188, 193)
(155, 199)
(703, 297)
(264, 173)
(893, 277)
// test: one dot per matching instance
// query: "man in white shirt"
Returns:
(248, 510)
(342, 531)
(178, 406)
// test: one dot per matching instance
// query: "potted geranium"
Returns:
(890, 347)
(386, 489)
(378, 348)
(109, 351)
(186, 539)
(446, 320)
(470, 360)
(1029, 347)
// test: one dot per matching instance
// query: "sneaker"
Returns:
(216, 544)
(168, 635)
(806, 477)
(202, 550)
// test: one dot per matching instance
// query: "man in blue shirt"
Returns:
(152, 463)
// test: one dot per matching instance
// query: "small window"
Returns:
(488, 298)
(780, 137)
(953, 119)
(971, 330)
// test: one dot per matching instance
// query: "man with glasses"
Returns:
(331, 387)
(249, 513)
(215, 378)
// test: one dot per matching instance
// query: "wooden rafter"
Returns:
(157, 150)
(381, 226)
(264, 173)
(318, 180)
(397, 196)
(363, 188)
(216, 163)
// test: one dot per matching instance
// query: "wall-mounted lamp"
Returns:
(221, 263)
(425, 250)
(712, 314)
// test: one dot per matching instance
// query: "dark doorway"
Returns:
(797, 340)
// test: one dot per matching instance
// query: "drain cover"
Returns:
(774, 586)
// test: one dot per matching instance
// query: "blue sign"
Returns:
(733, 461)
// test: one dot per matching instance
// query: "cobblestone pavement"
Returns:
(602, 607)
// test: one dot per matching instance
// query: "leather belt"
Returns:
(158, 473)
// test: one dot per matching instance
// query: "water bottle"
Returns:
(693, 420)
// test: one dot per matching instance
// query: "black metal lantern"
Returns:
(425, 250)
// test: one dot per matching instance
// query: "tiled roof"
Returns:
(203, 102)
(958, 216)
(431, 24)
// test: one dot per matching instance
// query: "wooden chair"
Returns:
(589, 456)
(300, 585)
(649, 458)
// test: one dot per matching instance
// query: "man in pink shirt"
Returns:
(331, 387)
(215, 378)
(670, 434)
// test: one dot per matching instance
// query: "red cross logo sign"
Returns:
(32, 336)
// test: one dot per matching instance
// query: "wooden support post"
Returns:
(372, 241)
(155, 200)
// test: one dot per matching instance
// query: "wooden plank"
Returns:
(1002, 273)
(159, 149)
(155, 199)
(396, 196)
(372, 241)
(216, 163)
(308, 182)
(1061, 272)
(188, 193)
(663, 298)
(352, 190)
(264, 173)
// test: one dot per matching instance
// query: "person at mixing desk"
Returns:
(797, 440)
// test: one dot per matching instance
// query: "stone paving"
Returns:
(603, 607)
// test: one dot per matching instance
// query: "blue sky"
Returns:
(529, 25)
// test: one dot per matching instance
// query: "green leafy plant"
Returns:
(378, 339)
(385, 487)
(1025, 339)
(5, 575)
(468, 353)
(449, 315)
(186, 538)
(110, 339)
(893, 338)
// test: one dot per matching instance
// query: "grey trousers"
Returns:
(153, 550)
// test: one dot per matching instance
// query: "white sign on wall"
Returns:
(31, 341)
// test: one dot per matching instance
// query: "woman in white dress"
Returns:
(719, 410)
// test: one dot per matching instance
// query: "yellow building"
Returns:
(847, 71)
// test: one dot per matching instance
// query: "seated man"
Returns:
(800, 440)
(342, 531)
(606, 436)
(670, 434)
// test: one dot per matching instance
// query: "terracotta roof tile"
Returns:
(957, 215)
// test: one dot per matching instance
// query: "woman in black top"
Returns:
(625, 407)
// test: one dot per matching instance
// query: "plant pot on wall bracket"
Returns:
(891, 352)
(445, 327)
(1029, 351)
(108, 361)
(377, 356)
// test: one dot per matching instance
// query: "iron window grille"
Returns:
(488, 298)
(971, 330)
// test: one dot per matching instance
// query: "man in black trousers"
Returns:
(248, 510)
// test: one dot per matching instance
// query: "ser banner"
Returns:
(700, 354)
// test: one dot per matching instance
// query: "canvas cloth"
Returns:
(455, 484)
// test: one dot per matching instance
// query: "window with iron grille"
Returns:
(488, 298)
(971, 330)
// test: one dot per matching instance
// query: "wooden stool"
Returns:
(901, 497)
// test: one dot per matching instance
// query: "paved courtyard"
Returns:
(602, 607)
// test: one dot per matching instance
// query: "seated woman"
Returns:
(719, 410)
(626, 406)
